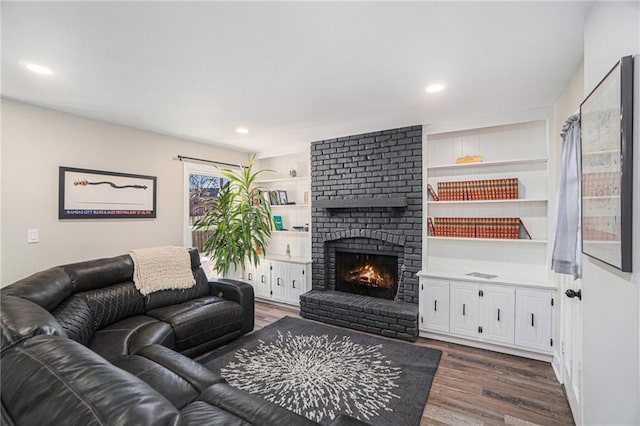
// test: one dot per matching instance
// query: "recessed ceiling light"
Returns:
(38, 69)
(435, 87)
(242, 130)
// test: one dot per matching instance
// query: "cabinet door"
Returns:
(435, 307)
(497, 314)
(278, 281)
(464, 309)
(251, 275)
(296, 283)
(533, 319)
(262, 280)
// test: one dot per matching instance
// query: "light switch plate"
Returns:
(33, 236)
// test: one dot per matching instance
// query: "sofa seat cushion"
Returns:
(53, 380)
(129, 335)
(200, 320)
(202, 413)
(176, 377)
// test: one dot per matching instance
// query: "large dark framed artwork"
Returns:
(607, 167)
(97, 194)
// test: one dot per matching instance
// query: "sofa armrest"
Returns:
(196, 374)
(22, 319)
(251, 408)
(237, 291)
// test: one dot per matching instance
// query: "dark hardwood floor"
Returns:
(478, 387)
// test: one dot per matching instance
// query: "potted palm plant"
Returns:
(239, 221)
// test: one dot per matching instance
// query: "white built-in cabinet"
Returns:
(285, 273)
(534, 319)
(501, 315)
(513, 310)
(434, 306)
(280, 281)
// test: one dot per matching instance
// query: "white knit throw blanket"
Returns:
(161, 268)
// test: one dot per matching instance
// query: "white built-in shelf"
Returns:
(289, 206)
(491, 240)
(290, 179)
(488, 163)
(513, 201)
(292, 259)
(510, 279)
(289, 233)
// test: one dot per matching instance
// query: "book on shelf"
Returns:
(277, 223)
(433, 194)
(479, 227)
(432, 229)
(491, 189)
(524, 228)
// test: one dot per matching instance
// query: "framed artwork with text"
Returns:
(606, 117)
(96, 194)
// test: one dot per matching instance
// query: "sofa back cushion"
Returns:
(84, 313)
(113, 303)
(173, 297)
(52, 380)
(75, 316)
(99, 273)
(162, 298)
(22, 319)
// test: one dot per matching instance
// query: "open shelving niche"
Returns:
(282, 278)
(509, 149)
(299, 214)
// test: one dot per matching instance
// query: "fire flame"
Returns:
(367, 275)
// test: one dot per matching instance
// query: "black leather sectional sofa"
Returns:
(80, 345)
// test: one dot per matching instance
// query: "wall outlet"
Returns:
(33, 236)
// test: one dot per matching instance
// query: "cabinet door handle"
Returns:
(262, 278)
(250, 276)
(294, 283)
(532, 319)
(464, 309)
(498, 315)
(278, 280)
(435, 305)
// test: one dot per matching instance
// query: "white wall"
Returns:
(36, 141)
(611, 302)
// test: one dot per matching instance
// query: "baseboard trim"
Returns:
(488, 346)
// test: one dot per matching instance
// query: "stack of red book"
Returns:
(493, 189)
(476, 227)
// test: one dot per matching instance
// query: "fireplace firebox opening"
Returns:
(367, 273)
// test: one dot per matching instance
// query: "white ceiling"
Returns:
(290, 72)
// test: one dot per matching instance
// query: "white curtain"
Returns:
(567, 246)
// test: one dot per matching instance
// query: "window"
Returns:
(202, 187)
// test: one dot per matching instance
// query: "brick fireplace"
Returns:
(367, 203)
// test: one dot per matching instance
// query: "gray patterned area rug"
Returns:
(320, 371)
